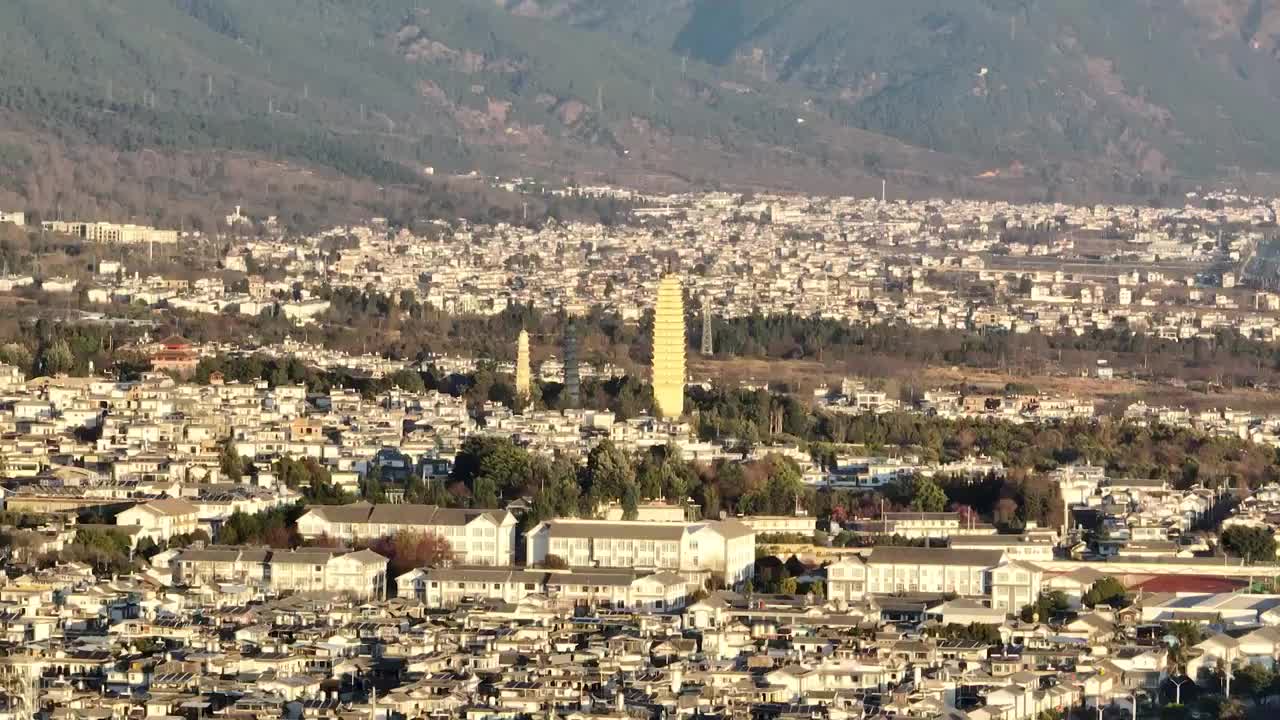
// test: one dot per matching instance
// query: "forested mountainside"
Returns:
(1029, 98)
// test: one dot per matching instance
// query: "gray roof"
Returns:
(1000, 540)
(934, 556)
(403, 514)
(634, 530)
(303, 557)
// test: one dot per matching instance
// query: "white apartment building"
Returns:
(162, 519)
(920, 525)
(620, 589)
(361, 574)
(934, 570)
(1023, 546)
(477, 537)
(804, 525)
(1015, 585)
(847, 579)
(723, 547)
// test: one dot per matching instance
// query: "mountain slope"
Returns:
(379, 90)
(1018, 98)
(1151, 88)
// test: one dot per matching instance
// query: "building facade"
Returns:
(361, 574)
(162, 519)
(477, 537)
(725, 548)
(931, 570)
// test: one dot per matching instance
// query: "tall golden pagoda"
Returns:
(668, 349)
(524, 370)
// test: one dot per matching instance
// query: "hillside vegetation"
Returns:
(1028, 98)
(1150, 90)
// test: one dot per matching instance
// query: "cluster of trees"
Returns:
(408, 550)
(886, 348)
(111, 551)
(750, 417)
(1254, 544)
(493, 470)
(1010, 500)
(1180, 455)
(42, 347)
(1049, 605)
(973, 632)
(275, 528)
(1106, 591)
(312, 479)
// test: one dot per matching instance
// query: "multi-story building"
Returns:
(362, 573)
(614, 588)
(477, 537)
(1014, 585)
(847, 579)
(1024, 546)
(804, 525)
(105, 232)
(921, 525)
(221, 565)
(162, 519)
(934, 570)
(725, 548)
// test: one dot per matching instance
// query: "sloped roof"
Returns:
(934, 556)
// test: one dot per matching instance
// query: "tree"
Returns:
(555, 562)
(1049, 604)
(230, 462)
(408, 549)
(1251, 679)
(630, 503)
(147, 548)
(493, 468)
(1231, 709)
(973, 632)
(1186, 635)
(928, 497)
(1106, 591)
(787, 586)
(1255, 544)
(778, 494)
(608, 473)
(371, 486)
(57, 358)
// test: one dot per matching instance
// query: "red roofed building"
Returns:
(175, 356)
(1190, 584)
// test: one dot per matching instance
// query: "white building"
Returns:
(477, 537)
(933, 570)
(162, 519)
(724, 547)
